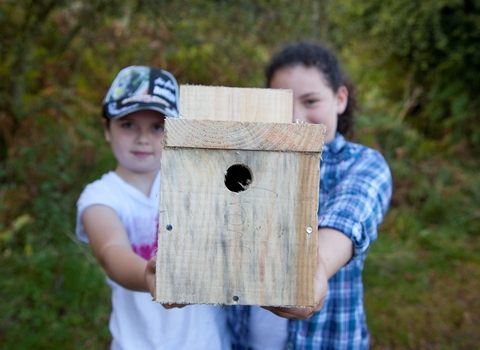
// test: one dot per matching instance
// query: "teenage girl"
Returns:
(355, 191)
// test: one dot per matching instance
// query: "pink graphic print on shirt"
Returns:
(146, 248)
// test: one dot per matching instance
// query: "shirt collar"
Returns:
(336, 145)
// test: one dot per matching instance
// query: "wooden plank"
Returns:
(257, 246)
(238, 104)
(243, 135)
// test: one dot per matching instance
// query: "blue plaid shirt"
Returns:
(355, 191)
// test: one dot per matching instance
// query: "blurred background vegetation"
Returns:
(416, 65)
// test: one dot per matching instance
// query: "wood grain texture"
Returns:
(255, 247)
(235, 135)
(236, 104)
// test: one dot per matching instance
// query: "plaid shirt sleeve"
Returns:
(355, 194)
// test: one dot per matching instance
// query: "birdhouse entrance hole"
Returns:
(238, 178)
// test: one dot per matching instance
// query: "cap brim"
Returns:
(135, 107)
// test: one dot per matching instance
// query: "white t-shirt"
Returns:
(267, 331)
(136, 322)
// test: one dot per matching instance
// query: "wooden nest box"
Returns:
(239, 200)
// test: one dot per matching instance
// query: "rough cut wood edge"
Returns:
(210, 134)
(239, 104)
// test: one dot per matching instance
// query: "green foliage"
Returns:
(421, 274)
(57, 298)
(427, 56)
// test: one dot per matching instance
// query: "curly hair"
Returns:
(313, 55)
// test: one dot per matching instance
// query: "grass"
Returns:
(423, 293)
(53, 297)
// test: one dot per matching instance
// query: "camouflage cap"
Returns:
(139, 88)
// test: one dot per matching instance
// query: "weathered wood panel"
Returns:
(238, 104)
(244, 135)
(257, 246)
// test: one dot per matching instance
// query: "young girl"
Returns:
(118, 216)
(355, 191)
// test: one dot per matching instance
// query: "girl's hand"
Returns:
(334, 250)
(293, 313)
(150, 282)
(150, 270)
